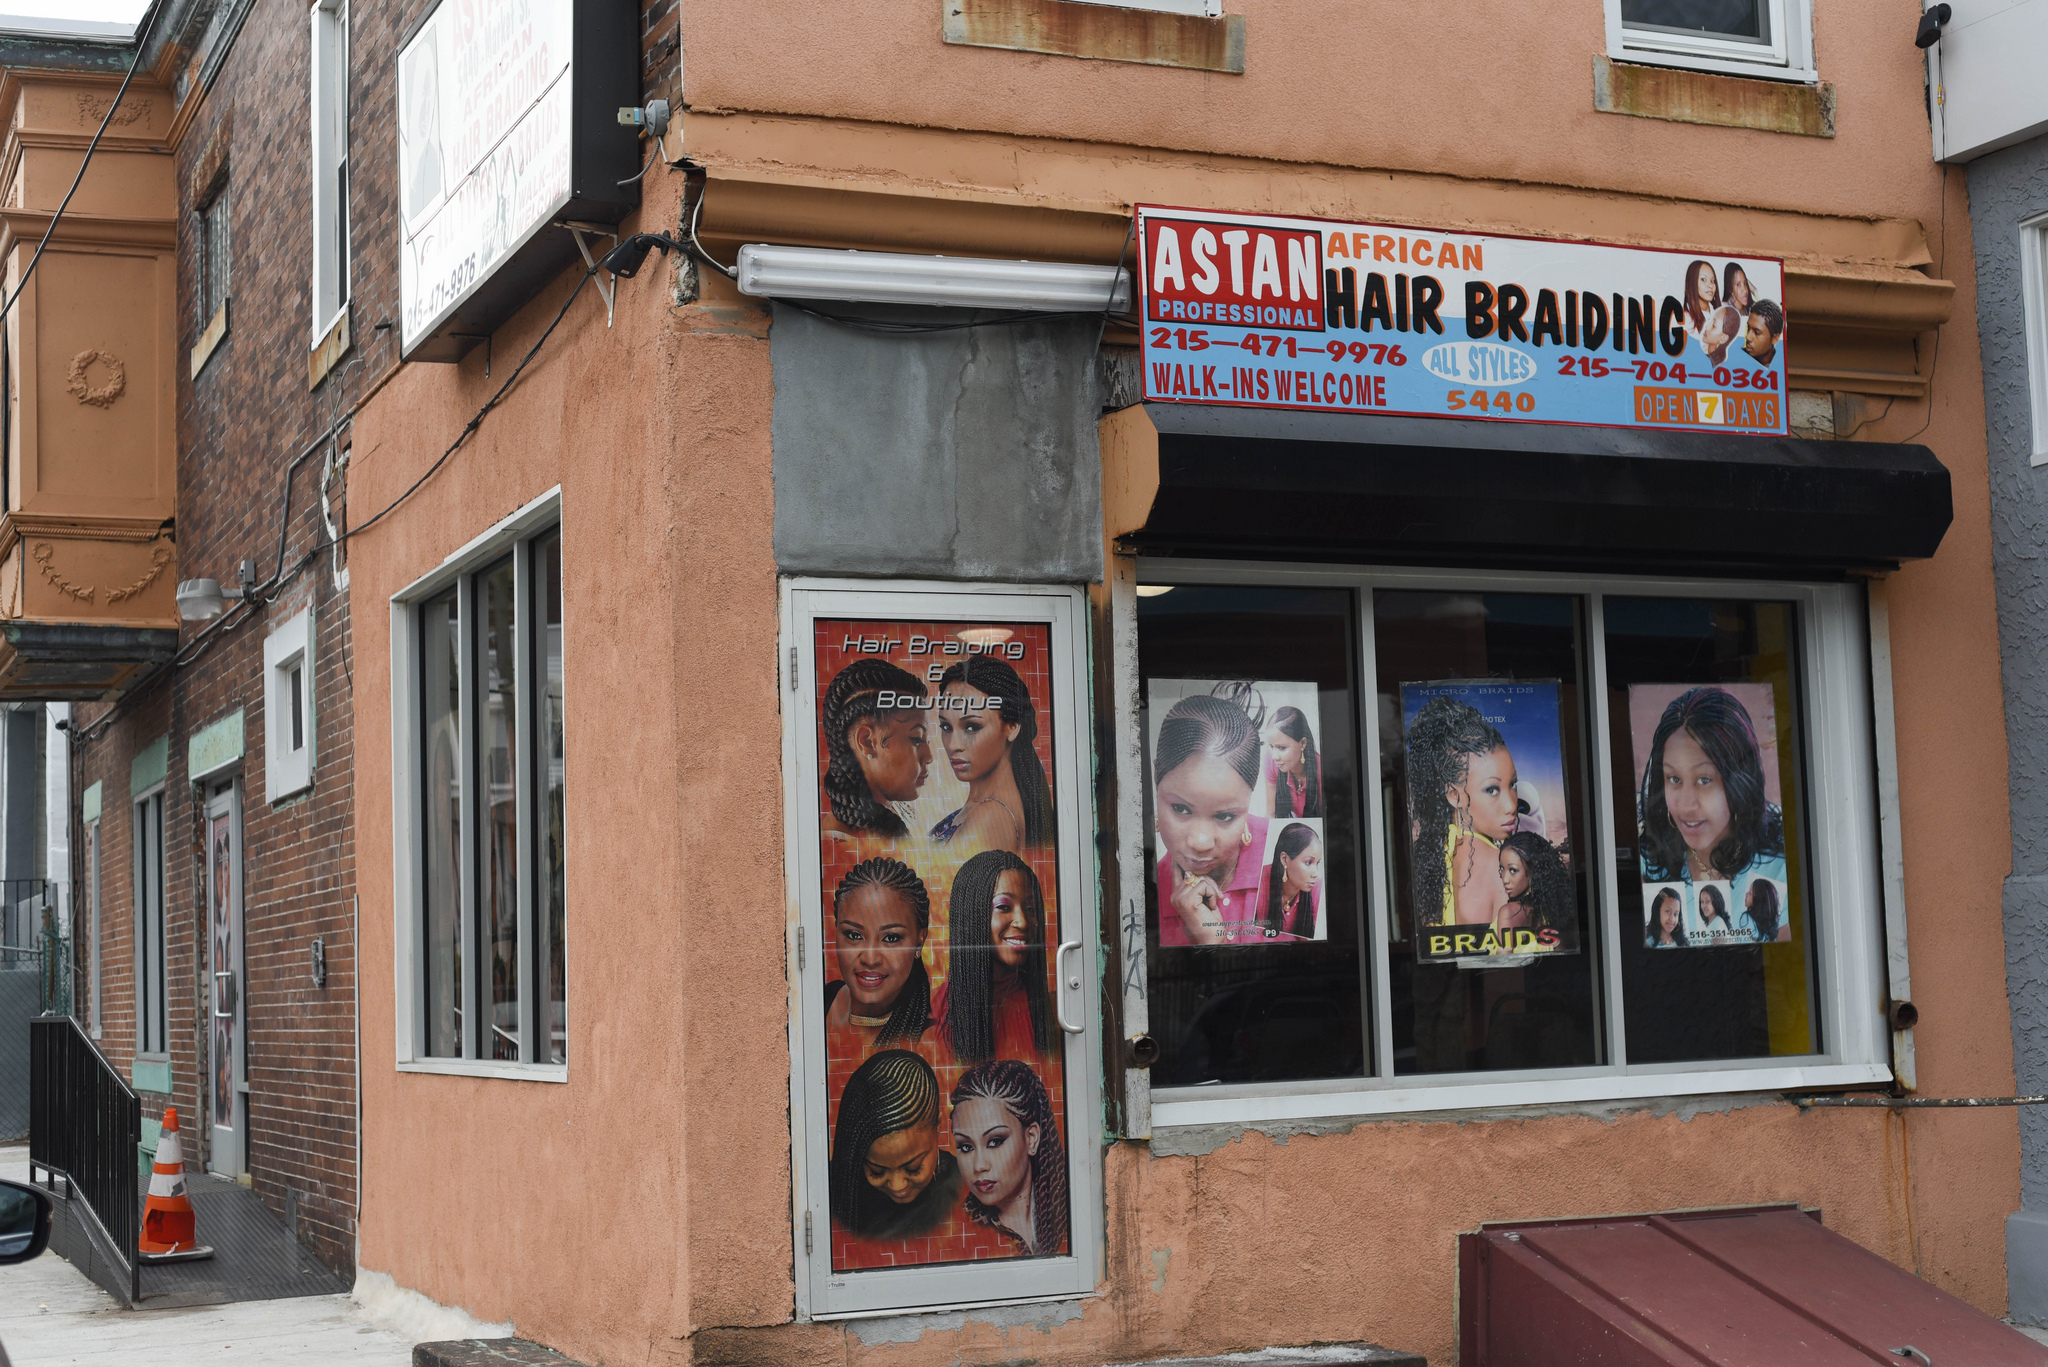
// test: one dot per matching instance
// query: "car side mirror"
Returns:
(26, 1216)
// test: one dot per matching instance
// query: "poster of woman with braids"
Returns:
(945, 1075)
(1488, 827)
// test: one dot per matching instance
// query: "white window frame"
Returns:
(821, 1294)
(1787, 57)
(1846, 873)
(332, 276)
(92, 923)
(151, 976)
(1207, 9)
(516, 534)
(2034, 294)
(288, 770)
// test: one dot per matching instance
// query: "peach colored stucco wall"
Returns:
(639, 1213)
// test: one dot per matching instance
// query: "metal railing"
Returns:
(84, 1127)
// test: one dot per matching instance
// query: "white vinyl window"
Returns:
(92, 925)
(152, 1014)
(288, 754)
(1208, 9)
(1766, 38)
(2034, 290)
(331, 283)
(1502, 839)
(479, 797)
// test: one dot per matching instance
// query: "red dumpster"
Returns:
(1757, 1285)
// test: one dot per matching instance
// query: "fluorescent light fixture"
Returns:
(946, 281)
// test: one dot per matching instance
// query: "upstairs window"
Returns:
(330, 165)
(214, 257)
(1768, 38)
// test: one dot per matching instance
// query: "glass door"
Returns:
(227, 1153)
(947, 1128)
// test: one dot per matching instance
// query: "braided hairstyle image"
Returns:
(1013, 1086)
(894, 1090)
(1552, 898)
(1442, 741)
(912, 1014)
(1764, 908)
(1208, 727)
(1292, 722)
(1719, 723)
(853, 695)
(971, 958)
(1292, 842)
(996, 679)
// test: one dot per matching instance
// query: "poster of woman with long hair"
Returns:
(1709, 807)
(945, 1074)
(1489, 833)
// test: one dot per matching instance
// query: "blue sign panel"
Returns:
(1272, 312)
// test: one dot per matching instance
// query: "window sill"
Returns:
(1647, 88)
(512, 1072)
(151, 1074)
(333, 344)
(1185, 1107)
(210, 338)
(1102, 32)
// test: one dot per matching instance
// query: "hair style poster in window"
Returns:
(1489, 837)
(1709, 820)
(1237, 807)
(945, 1071)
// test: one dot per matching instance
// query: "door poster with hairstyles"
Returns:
(1237, 810)
(945, 1077)
(1709, 820)
(1490, 853)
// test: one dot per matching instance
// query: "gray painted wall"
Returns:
(2005, 188)
(968, 454)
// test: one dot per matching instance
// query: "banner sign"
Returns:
(484, 116)
(1255, 310)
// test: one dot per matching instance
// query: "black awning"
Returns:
(1248, 481)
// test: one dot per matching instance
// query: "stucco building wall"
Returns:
(640, 1211)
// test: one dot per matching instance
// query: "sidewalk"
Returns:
(52, 1316)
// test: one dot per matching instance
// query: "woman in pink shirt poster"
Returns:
(1205, 763)
(1293, 775)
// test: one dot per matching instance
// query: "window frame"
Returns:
(516, 534)
(1788, 57)
(2034, 297)
(333, 246)
(1847, 874)
(1201, 9)
(148, 975)
(288, 771)
(220, 200)
(92, 921)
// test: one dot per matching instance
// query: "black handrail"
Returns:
(84, 1128)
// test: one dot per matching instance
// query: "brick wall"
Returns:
(242, 421)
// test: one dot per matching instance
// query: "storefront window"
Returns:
(1249, 713)
(1704, 728)
(1580, 850)
(1489, 947)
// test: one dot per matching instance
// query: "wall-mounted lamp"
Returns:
(944, 281)
(202, 600)
(1931, 20)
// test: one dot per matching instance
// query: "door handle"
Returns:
(1059, 968)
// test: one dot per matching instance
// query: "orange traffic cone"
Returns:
(168, 1232)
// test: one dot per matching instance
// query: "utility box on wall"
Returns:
(507, 127)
